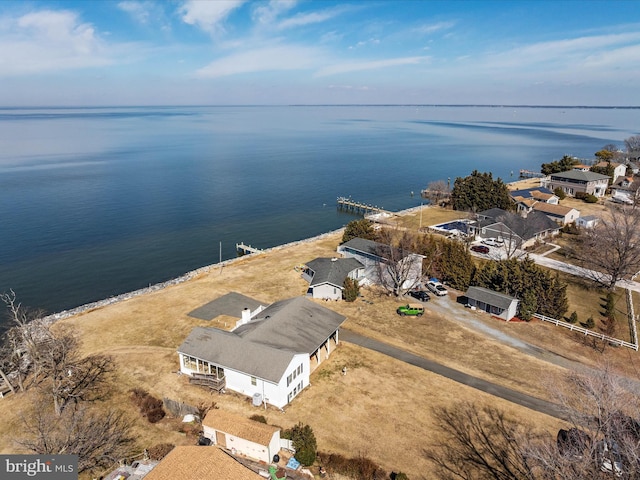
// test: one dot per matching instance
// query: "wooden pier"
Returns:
(531, 174)
(352, 206)
(243, 249)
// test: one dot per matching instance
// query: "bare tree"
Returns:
(632, 143)
(611, 251)
(21, 342)
(602, 439)
(399, 269)
(436, 191)
(71, 378)
(99, 438)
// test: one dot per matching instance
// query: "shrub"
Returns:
(155, 415)
(591, 199)
(158, 452)
(581, 195)
(590, 323)
(258, 418)
(351, 289)
(304, 443)
(356, 468)
(574, 317)
(560, 193)
(610, 305)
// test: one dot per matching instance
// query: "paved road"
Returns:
(505, 393)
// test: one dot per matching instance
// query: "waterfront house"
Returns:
(497, 304)
(619, 169)
(516, 231)
(241, 435)
(268, 358)
(192, 462)
(575, 181)
(375, 256)
(326, 276)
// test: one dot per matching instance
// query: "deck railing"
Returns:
(210, 381)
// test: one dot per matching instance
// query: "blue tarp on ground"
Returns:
(293, 464)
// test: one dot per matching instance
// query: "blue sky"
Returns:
(131, 52)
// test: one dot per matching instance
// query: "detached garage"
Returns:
(241, 435)
(497, 304)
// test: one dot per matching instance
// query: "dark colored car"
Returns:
(420, 295)
(480, 248)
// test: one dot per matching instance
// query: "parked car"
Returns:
(480, 248)
(437, 288)
(420, 295)
(492, 242)
(410, 309)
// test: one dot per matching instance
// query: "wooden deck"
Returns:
(210, 381)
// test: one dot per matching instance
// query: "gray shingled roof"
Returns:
(365, 246)
(228, 350)
(580, 175)
(230, 304)
(265, 346)
(296, 324)
(525, 228)
(332, 270)
(490, 297)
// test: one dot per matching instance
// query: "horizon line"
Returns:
(455, 105)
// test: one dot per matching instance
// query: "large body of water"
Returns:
(100, 201)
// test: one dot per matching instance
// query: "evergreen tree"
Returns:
(478, 192)
(362, 228)
(304, 443)
(351, 289)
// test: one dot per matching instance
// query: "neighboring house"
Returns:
(497, 304)
(619, 169)
(269, 358)
(241, 435)
(574, 181)
(197, 463)
(539, 194)
(558, 213)
(581, 167)
(625, 189)
(634, 166)
(374, 256)
(516, 231)
(326, 276)
(588, 221)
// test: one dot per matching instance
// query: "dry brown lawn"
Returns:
(380, 409)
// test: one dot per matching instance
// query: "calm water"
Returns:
(101, 201)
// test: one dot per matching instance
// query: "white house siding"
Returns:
(246, 447)
(278, 395)
(327, 291)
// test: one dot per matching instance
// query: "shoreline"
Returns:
(54, 317)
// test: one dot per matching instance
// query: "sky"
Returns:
(282, 52)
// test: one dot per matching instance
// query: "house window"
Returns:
(254, 382)
(289, 379)
(299, 369)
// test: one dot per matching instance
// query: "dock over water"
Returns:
(243, 249)
(353, 206)
(531, 174)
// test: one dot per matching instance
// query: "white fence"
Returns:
(287, 445)
(587, 332)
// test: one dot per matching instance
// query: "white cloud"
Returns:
(371, 65)
(563, 52)
(434, 27)
(282, 57)
(265, 14)
(208, 15)
(302, 19)
(140, 11)
(47, 40)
